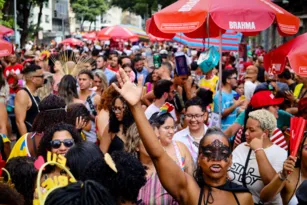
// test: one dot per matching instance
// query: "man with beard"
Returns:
(229, 104)
(164, 91)
(26, 101)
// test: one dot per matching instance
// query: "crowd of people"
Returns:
(136, 130)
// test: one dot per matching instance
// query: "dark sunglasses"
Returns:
(55, 144)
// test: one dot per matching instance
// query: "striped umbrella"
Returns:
(230, 41)
(136, 30)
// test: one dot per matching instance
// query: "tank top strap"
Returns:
(236, 198)
(200, 198)
(178, 155)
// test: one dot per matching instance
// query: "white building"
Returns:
(58, 20)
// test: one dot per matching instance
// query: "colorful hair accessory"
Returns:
(50, 184)
(110, 162)
(166, 108)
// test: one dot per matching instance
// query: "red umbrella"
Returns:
(117, 33)
(90, 36)
(5, 31)
(157, 39)
(72, 42)
(293, 51)
(193, 17)
(6, 48)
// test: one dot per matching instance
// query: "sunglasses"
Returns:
(55, 144)
(38, 76)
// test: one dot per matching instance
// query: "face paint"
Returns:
(216, 151)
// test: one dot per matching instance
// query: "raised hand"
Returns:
(289, 166)
(131, 92)
(256, 143)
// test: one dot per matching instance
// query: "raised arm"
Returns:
(148, 98)
(105, 140)
(171, 176)
(279, 183)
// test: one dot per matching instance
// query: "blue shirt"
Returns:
(144, 72)
(227, 102)
(109, 74)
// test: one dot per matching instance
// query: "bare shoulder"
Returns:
(245, 198)
(22, 96)
(21, 93)
(182, 146)
(76, 100)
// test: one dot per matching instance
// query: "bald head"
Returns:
(251, 73)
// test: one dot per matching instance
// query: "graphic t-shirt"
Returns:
(276, 157)
(16, 69)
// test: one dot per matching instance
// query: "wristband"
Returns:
(281, 177)
(258, 149)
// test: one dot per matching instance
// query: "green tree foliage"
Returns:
(144, 8)
(87, 10)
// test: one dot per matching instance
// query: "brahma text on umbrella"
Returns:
(242, 25)
(188, 5)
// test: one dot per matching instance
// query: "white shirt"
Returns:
(184, 136)
(249, 89)
(276, 157)
(152, 109)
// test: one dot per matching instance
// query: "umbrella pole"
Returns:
(220, 81)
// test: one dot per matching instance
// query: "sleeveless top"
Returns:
(153, 192)
(117, 144)
(33, 111)
(201, 193)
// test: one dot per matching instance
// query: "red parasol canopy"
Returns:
(6, 31)
(294, 51)
(90, 36)
(248, 17)
(117, 33)
(157, 39)
(72, 42)
(6, 48)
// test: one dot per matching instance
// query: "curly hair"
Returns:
(77, 110)
(132, 140)
(80, 193)
(10, 196)
(124, 185)
(127, 121)
(68, 88)
(50, 109)
(107, 98)
(198, 173)
(23, 174)
(266, 120)
(44, 145)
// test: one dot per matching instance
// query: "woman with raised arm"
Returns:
(289, 179)
(210, 184)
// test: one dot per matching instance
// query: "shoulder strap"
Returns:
(245, 168)
(236, 198)
(200, 199)
(178, 155)
(90, 103)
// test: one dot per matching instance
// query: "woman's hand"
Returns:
(80, 123)
(131, 92)
(256, 143)
(288, 166)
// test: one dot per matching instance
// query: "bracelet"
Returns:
(258, 149)
(281, 177)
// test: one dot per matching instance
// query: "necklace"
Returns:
(32, 98)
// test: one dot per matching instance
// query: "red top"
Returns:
(16, 69)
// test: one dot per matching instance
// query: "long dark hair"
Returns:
(127, 121)
(68, 88)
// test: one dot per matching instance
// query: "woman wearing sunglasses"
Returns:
(58, 139)
(120, 120)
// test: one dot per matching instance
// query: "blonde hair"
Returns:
(133, 140)
(266, 119)
(104, 81)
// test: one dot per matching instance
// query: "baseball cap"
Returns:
(264, 98)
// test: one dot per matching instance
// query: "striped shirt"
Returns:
(277, 138)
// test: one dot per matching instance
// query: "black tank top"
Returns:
(200, 199)
(117, 144)
(33, 111)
